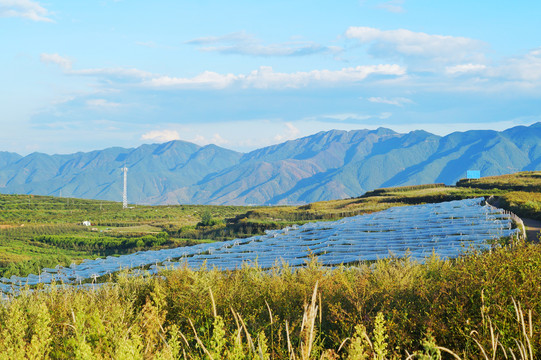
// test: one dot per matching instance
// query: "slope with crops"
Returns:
(484, 305)
(38, 232)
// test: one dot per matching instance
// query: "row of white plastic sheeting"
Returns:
(444, 228)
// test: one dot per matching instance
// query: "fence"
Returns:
(518, 221)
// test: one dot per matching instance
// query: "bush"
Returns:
(102, 243)
(207, 220)
(384, 309)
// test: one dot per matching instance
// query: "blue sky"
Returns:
(85, 75)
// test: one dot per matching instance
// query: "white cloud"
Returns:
(116, 73)
(24, 8)
(402, 42)
(199, 139)
(61, 61)
(394, 6)
(398, 101)
(246, 44)
(465, 69)
(290, 133)
(102, 103)
(150, 44)
(216, 139)
(109, 73)
(154, 45)
(525, 68)
(239, 36)
(161, 135)
(205, 79)
(265, 77)
(521, 72)
(347, 116)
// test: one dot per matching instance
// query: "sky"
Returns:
(87, 75)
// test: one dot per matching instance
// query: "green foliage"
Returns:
(388, 309)
(524, 204)
(207, 220)
(360, 344)
(431, 351)
(271, 314)
(35, 265)
(103, 243)
(528, 181)
(52, 225)
(37, 228)
(380, 337)
(395, 189)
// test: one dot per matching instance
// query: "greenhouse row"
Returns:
(446, 229)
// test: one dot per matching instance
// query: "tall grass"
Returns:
(485, 306)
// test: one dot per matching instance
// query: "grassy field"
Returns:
(32, 229)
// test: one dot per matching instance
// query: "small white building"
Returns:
(87, 223)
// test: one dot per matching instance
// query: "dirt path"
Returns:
(533, 227)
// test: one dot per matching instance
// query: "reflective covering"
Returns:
(446, 228)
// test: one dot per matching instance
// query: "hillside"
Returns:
(325, 166)
(458, 305)
(39, 231)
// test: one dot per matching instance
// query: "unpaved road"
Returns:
(533, 227)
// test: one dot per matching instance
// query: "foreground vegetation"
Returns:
(480, 306)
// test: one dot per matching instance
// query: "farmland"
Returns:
(387, 308)
(40, 231)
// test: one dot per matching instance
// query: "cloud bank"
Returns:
(56, 59)
(161, 135)
(242, 43)
(266, 78)
(407, 43)
(398, 101)
(27, 9)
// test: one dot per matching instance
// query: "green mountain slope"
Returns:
(327, 165)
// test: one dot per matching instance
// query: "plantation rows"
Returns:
(103, 242)
(483, 306)
(417, 231)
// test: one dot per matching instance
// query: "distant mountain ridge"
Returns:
(324, 166)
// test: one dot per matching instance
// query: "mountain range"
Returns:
(324, 166)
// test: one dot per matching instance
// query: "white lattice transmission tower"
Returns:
(125, 193)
